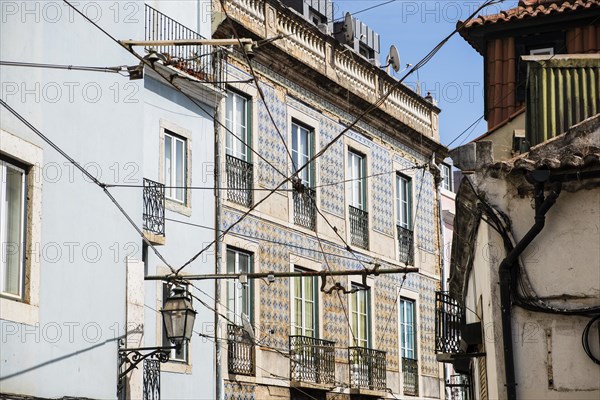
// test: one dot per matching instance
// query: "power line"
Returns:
(117, 70)
(90, 176)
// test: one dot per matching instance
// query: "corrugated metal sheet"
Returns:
(561, 91)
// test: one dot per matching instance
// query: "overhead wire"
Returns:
(92, 178)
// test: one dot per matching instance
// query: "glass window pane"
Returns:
(12, 229)
(168, 165)
(179, 169)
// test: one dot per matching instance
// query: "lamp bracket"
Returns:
(130, 358)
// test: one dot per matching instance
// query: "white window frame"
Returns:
(446, 172)
(234, 146)
(405, 326)
(299, 327)
(169, 128)
(5, 245)
(235, 310)
(26, 310)
(361, 318)
(356, 175)
(299, 157)
(403, 201)
(171, 179)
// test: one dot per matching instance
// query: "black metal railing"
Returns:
(367, 368)
(312, 360)
(460, 387)
(405, 245)
(154, 207)
(305, 210)
(410, 374)
(240, 351)
(151, 379)
(448, 318)
(202, 61)
(359, 227)
(239, 180)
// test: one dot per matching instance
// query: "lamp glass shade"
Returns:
(178, 316)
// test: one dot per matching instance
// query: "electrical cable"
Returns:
(585, 339)
(90, 176)
(117, 70)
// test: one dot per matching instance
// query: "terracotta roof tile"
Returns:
(533, 8)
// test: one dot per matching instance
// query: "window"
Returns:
(180, 354)
(356, 172)
(175, 167)
(403, 202)
(545, 51)
(360, 314)
(239, 295)
(446, 172)
(305, 314)
(407, 329)
(302, 151)
(12, 220)
(237, 121)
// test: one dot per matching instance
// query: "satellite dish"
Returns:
(348, 27)
(393, 58)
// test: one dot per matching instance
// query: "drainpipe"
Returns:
(218, 259)
(505, 271)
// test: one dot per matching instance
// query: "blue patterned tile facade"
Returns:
(332, 170)
(239, 391)
(382, 185)
(276, 246)
(425, 201)
(271, 145)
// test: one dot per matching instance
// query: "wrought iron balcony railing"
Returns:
(239, 180)
(240, 351)
(305, 210)
(312, 360)
(410, 373)
(405, 245)
(154, 207)
(359, 227)
(460, 387)
(201, 61)
(367, 368)
(448, 319)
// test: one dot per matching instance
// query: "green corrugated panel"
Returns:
(561, 91)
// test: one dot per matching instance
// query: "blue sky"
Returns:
(454, 76)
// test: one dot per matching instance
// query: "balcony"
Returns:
(240, 351)
(405, 245)
(154, 211)
(312, 361)
(410, 374)
(448, 318)
(367, 369)
(239, 180)
(305, 210)
(201, 61)
(359, 228)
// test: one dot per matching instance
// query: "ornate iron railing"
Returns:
(359, 227)
(448, 318)
(239, 180)
(305, 210)
(154, 207)
(202, 61)
(410, 373)
(405, 245)
(312, 360)
(367, 368)
(151, 379)
(240, 351)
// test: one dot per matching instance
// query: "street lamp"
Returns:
(178, 316)
(178, 319)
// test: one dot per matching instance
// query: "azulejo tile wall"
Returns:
(239, 391)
